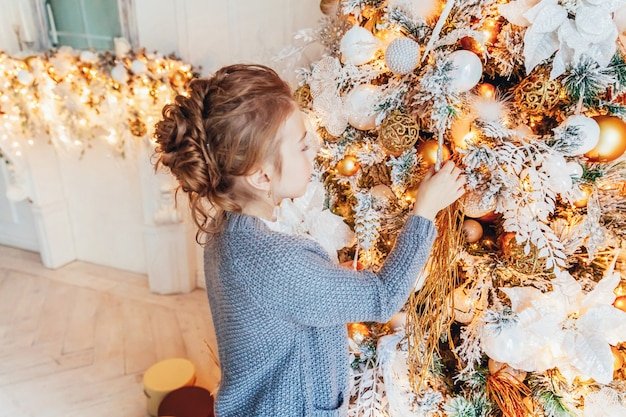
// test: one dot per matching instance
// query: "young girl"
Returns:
(238, 146)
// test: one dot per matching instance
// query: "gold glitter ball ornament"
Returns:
(303, 96)
(138, 127)
(538, 94)
(398, 132)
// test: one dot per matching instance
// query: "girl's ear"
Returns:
(259, 180)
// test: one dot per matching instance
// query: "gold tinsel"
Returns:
(508, 393)
(430, 310)
(538, 94)
(398, 132)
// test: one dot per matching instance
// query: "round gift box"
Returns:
(187, 402)
(164, 377)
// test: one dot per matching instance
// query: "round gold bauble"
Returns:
(612, 142)
(398, 132)
(472, 230)
(178, 78)
(486, 91)
(303, 96)
(470, 44)
(138, 127)
(471, 205)
(329, 7)
(620, 303)
(428, 151)
(464, 309)
(537, 94)
(514, 254)
(348, 166)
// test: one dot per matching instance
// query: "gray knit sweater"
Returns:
(280, 308)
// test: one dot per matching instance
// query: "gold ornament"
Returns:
(464, 310)
(612, 143)
(514, 253)
(471, 205)
(470, 44)
(138, 127)
(398, 132)
(486, 91)
(472, 230)
(303, 96)
(329, 7)
(620, 303)
(348, 166)
(538, 94)
(178, 78)
(428, 151)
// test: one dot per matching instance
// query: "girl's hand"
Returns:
(438, 190)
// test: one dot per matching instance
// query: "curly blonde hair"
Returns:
(224, 129)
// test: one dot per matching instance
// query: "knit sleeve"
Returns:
(296, 281)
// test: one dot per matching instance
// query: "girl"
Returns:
(238, 146)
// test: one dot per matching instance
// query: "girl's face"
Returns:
(298, 147)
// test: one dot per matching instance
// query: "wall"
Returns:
(99, 208)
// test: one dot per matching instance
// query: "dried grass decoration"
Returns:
(430, 310)
(505, 386)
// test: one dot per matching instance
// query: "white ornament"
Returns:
(402, 55)
(588, 133)
(574, 169)
(358, 46)
(359, 106)
(138, 66)
(122, 47)
(466, 70)
(423, 8)
(25, 77)
(88, 56)
(119, 73)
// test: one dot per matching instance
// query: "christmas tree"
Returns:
(521, 310)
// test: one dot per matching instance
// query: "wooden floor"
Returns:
(76, 341)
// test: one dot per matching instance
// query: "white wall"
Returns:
(211, 33)
(108, 202)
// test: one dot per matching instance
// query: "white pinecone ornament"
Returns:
(402, 55)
